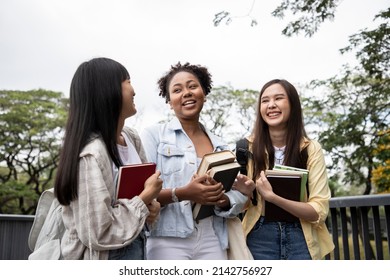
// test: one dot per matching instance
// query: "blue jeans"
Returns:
(134, 251)
(277, 241)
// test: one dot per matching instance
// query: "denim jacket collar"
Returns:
(217, 143)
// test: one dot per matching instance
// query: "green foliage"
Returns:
(223, 106)
(307, 15)
(15, 194)
(31, 125)
(353, 107)
(353, 111)
(310, 15)
(381, 172)
(373, 47)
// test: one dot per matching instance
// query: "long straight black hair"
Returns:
(95, 106)
(263, 150)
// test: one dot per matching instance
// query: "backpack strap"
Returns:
(242, 155)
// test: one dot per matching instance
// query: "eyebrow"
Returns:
(276, 94)
(187, 82)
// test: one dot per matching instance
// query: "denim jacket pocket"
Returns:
(171, 158)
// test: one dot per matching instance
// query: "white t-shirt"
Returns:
(279, 154)
(128, 155)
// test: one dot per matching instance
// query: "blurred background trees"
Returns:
(347, 113)
(31, 128)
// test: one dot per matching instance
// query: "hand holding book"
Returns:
(272, 211)
(264, 187)
(139, 179)
(221, 201)
(152, 188)
(205, 190)
(223, 168)
(283, 182)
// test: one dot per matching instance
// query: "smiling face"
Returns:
(275, 107)
(128, 106)
(186, 95)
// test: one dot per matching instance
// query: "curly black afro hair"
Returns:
(198, 71)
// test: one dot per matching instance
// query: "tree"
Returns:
(373, 48)
(350, 116)
(31, 127)
(223, 106)
(307, 15)
(381, 171)
(354, 107)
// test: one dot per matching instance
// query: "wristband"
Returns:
(174, 197)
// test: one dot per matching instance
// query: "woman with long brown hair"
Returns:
(279, 137)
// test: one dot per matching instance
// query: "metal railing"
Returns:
(14, 231)
(358, 224)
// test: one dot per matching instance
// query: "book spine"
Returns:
(303, 197)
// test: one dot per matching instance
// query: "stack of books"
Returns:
(222, 167)
(287, 182)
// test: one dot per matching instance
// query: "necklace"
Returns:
(279, 154)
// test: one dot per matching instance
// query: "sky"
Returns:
(42, 42)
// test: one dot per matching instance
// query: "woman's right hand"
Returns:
(264, 187)
(204, 190)
(152, 188)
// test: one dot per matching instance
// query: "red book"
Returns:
(132, 177)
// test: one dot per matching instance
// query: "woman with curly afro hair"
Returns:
(177, 148)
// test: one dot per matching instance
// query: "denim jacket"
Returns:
(174, 153)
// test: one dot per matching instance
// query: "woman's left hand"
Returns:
(154, 211)
(244, 185)
(224, 202)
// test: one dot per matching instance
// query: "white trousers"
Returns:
(203, 244)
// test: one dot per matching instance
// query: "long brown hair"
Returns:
(263, 150)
